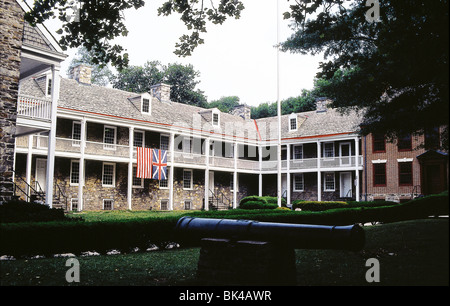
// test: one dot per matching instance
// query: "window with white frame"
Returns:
(328, 149)
(187, 179)
(298, 152)
(164, 142)
(292, 122)
(108, 204)
(164, 184)
(138, 182)
(109, 175)
(145, 105)
(76, 133)
(299, 184)
(164, 204)
(138, 139)
(109, 137)
(187, 204)
(74, 204)
(74, 173)
(328, 181)
(215, 118)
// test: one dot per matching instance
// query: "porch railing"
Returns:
(35, 108)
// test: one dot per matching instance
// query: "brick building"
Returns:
(404, 168)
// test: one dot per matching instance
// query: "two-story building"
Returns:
(212, 155)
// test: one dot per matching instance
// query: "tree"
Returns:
(224, 104)
(100, 74)
(139, 78)
(182, 78)
(95, 23)
(395, 70)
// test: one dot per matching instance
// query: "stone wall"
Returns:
(11, 32)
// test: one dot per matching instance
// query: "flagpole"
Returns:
(278, 111)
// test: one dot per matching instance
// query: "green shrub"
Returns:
(21, 211)
(318, 205)
(258, 205)
(253, 199)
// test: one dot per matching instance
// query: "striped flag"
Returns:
(144, 162)
(159, 164)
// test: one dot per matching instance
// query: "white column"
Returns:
(288, 178)
(81, 164)
(319, 175)
(130, 166)
(235, 148)
(260, 172)
(207, 174)
(172, 169)
(29, 161)
(356, 167)
(52, 137)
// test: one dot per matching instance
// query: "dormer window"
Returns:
(215, 119)
(292, 122)
(146, 106)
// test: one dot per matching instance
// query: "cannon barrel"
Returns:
(190, 231)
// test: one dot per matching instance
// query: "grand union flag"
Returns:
(151, 163)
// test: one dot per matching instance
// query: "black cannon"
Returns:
(297, 236)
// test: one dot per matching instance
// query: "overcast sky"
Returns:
(238, 57)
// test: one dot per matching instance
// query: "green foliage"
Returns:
(394, 70)
(303, 103)
(182, 78)
(224, 104)
(21, 211)
(257, 202)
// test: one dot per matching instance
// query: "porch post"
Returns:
(288, 174)
(260, 171)
(206, 204)
(52, 136)
(356, 167)
(29, 161)
(130, 166)
(81, 164)
(172, 169)
(319, 175)
(235, 187)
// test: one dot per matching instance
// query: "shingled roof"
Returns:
(114, 103)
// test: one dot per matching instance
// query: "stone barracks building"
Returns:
(212, 155)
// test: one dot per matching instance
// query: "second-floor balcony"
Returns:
(100, 150)
(33, 113)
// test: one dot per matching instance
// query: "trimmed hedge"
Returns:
(21, 211)
(256, 202)
(325, 205)
(48, 238)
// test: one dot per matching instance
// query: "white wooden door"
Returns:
(41, 173)
(346, 184)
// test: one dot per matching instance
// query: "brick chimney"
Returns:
(81, 73)
(242, 110)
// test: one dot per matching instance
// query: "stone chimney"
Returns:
(161, 92)
(242, 110)
(81, 73)
(322, 104)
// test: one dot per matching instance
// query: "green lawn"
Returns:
(409, 253)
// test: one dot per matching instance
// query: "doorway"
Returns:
(346, 185)
(41, 174)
